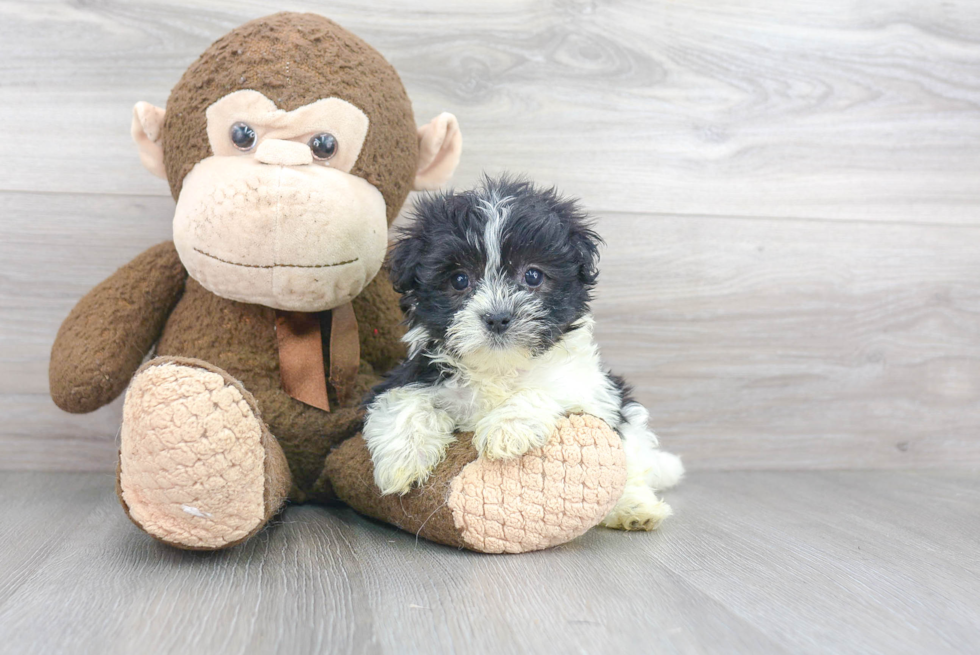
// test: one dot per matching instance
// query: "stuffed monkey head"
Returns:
(290, 146)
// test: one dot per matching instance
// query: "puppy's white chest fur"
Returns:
(568, 378)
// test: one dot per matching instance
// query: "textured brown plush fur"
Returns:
(241, 339)
(296, 59)
(422, 511)
(104, 339)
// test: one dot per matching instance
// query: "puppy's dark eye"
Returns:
(460, 281)
(243, 136)
(324, 146)
(534, 277)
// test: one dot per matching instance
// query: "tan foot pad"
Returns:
(192, 460)
(547, 497)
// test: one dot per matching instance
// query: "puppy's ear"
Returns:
(404, 261)
(584, 239)
(433, 212)
(587, 243)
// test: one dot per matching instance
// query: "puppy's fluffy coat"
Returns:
(495, 285)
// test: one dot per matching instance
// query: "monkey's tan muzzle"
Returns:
(272, 231)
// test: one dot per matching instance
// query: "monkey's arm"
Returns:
(112, 328)
(379, 324)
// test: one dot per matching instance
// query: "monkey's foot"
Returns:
(198, 469)
(546, 497)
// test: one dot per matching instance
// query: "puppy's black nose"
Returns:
(497, 322)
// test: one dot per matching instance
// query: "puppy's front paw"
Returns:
(407, 437)
(395, 472)
(504, 438)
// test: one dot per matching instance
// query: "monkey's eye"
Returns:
(242, 136)
(324, 146)
(460, 281)
(534, 277)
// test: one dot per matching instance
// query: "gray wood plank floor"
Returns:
(753, 562)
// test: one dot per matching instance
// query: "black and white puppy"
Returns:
(495, 285)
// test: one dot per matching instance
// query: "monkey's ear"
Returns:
(147, 129)
(440, 145)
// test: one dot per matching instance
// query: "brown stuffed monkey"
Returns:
(290, 146)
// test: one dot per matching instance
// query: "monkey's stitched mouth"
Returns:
(225, 261)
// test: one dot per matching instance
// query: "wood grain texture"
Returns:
(790, 108)
(790, 191)
(797, 344)
(860, 562)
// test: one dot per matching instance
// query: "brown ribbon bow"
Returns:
(301, 364)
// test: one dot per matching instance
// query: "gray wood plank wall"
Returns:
(790, 191)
